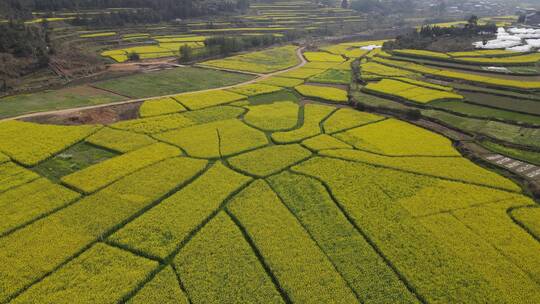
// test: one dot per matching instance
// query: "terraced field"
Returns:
(272, 191)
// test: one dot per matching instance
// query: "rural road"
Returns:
(259, 78)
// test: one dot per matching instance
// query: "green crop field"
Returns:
(55, 100)
(172, 81)
(272, 191)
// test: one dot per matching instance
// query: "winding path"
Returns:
(259, 78)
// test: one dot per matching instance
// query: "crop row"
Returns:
(488, 81)
(31, 200)
(454, 168)
(321, 92)
(298, 264)
(218, 266)
(158, 232)
(101, 274)
(159, 124)
(119, 140)
(12, 175)
(410, 92)
(354, 258)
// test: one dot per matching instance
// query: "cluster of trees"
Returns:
(26, 41)
(119, 18)
(225, 45)
(165, 9)
(423, 38)
(383, 7)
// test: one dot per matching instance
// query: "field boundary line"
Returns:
(516, 221)
(259, 256)
(507, 257)
(306, 230)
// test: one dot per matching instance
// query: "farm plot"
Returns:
(172, 81)
(409, 92)
(271, 60)
(325, 93)
(269, 201)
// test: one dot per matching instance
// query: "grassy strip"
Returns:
(360, 265)
(33, 252)
(218, 266)
(101, 274)
(313, 116)
(159, 231)
(299, 265)
(104, 173)
(30, 143)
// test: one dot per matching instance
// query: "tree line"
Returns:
(165, 9)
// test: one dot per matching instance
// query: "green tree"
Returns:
(186, 53)
(134, 56)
